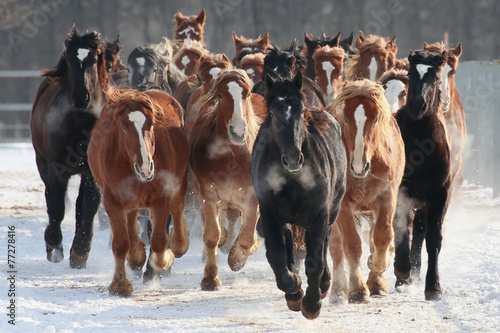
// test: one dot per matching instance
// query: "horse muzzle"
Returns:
(292, 165)
(237, 134)
(144, 176)
(81, 100)
(360, 172)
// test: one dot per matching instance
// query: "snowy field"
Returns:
(54, 298)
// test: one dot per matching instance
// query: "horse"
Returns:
(328, 66)
(139, 156)
(395, 83)
(375, 157)
(166, 51)
(66, 107)
(253, 64)
(189, 28)
(112, 56)
(242, 44)
(221, 142)
(298, 171)
(375, 56)
(312, 44)
(187, 56)
(426, 184)
(453, 110)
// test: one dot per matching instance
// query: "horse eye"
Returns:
(376, 120)
(346, 121)
(220, 96)
(124, 129)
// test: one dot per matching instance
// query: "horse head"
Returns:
(395, 83)
(112, 56)
(189, 28)
(144, 67)
(253, 65)
(286, 112)
(188, 55)
(328, 65)
(246, 45)
(209, 66)
(424, 86)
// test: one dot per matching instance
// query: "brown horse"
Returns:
(328, 66)
(253, 64)
(375, 159)
(189, 28)
(67, 105)
(395, 83)
(375, 56)
(187, 56)
(221, 143)
(247, 45)
(139, 156)
(453, 109)
(112, 55)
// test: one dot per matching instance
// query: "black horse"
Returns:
(427, 178)
(67, 105)
(298, 171)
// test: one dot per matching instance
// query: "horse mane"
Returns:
(372, 43)
(329, 52)
(274, 53)
(300, 58)
(245, 53)
(123, 100)
(209, 61)
(144, 51)
(256, 58)
(363, 88)
(423, 57)
(165, 48)
(91, 40)
(440, 47)
(395, 74)
(191, 46)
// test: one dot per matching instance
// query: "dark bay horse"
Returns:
(221, 141)
(112, 55)
(375, 155)
(66, 107)
(299, 172)
(426, 184)
(139, 156)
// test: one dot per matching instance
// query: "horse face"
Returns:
(83, 75)
(359, 134)
(141, 71)
(234, 97)
(186, 61)
(287, 124)
(448, 76)
(395, 94)
(139, 138)
(329, 76)
(189, 28)
(374, 64)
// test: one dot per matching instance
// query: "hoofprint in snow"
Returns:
(54, 298)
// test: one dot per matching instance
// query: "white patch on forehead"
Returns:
(214, 71)
(288, 113)
(422, 69)
(141, 61)
(186, 32)
(275, 179)
(138, 119)
(248, 49)
(185, 61)
(372, 68)
(392, 91)
(306, 178)
(237, 120)
(250, 71)
(82, 54)
(275, 69)
(359, 145)
(328, 68)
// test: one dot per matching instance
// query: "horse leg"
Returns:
(55, 191)
(316, 240)
(120, 285)
(291, 263)
(137, 253)
(211, 237)
(87, 204)
(179, 238)
(339, 282)
(400, 223)
(326, 277)
(162, 257)
(437, 208)
(247, 242)
(277, 253)
(418, 235)
(150, 273)
(381, 236)
(228, 236)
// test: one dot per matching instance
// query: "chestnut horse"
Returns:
(375, 56)
(139, 156)
(453, 109)
(298, 170)
(375, 159)
(253, 64)
(328, 66)
(66, 107)
(426, 184)
(187, 56)
(221, 142)
(189, 28)
(395, 83)
(247, 45)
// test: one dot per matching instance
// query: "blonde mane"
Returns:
(253, 59)
(329, 52)
(395, 74)
(195, 47)
(165, 49)
(363, 88)
(374, 44)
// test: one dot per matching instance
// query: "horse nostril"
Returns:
(137, 168)
(301, 159)
(231, 129)
(87, 97)
(367, 167)
(151, 167)
(284, 161)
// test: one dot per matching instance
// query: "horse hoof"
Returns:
(402, 283)
(359, 297)
(237, 258)
(433, 295)
(211, 284)
(294, 301)
(54, 253)
(310, 314)
(120, 292)
(338, 299)
(76, 261)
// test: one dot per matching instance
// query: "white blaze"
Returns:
(373, 69)
(185, 61)
(141, 61)
(138, 119)
(186, 32)
(288, 113)
(214, 72)
(237, 120)
(422, 69)
(328, 68)
(82, 54)
(359, 146)
(444, 81)
(392, 92)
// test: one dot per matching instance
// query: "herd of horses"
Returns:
(303, 143)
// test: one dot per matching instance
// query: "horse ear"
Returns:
(264, 41)
(269, 82)
(349, 39)
(178, 18)
(426, 46)
(361, 36)
(334, 42)
(201, 17)
(307, 39)
(236, 39)
(117, 41)
(297, 80)
(224, 56)
(458, 50)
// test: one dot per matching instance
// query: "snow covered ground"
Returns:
(54, 298)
